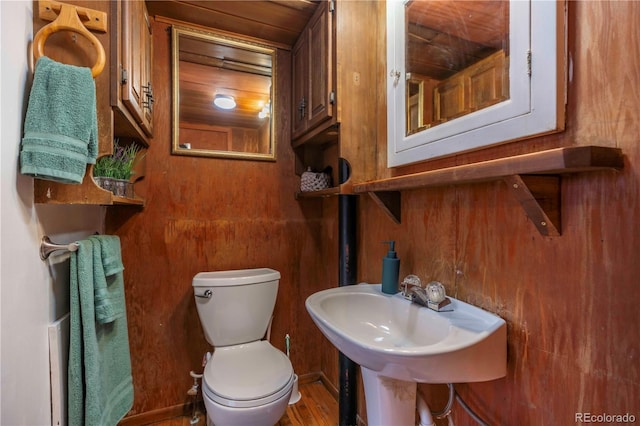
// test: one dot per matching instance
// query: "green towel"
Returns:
(61, 126)
(100, 386)
(108, 287)
(111, 257)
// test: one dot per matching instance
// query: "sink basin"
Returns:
(398, 344)
(402, 340)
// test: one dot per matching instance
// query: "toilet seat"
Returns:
(247, 375)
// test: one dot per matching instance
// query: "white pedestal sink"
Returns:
(398, 344)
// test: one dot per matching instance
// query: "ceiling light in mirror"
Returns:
(224, 102)
(265, 111)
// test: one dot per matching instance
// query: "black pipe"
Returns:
(347, 230)
(348, 402)
(348, 246)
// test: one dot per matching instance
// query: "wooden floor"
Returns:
(317, 407)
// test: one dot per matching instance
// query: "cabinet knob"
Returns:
(123, 76)
(148, 93)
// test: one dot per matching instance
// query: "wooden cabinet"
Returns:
(114, 119)
(131, 84)
(135, 64)
(314, 74)
(336, 64)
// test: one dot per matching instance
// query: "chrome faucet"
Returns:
(432, 297)
(414, 293)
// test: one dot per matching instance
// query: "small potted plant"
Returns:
(112, 172)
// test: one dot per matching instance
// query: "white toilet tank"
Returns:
(235, 306)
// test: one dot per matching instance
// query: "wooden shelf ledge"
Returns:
(88, 192)
(538, 195)
(318, 194)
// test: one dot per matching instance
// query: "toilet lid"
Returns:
(247, 375)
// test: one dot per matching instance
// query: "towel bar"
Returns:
(67, 17)
(47, 247)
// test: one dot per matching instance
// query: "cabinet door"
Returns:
(147, 54)
(300, 59)
(488, 83)
(136, 63)
(320, 105)
(313, 81)
(449, 99)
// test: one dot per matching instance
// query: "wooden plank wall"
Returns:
(571, 302)
(206, 214)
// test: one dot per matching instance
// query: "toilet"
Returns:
(246, 381)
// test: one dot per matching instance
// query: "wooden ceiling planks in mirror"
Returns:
(242, 73)
(446, 37)
(198, 86)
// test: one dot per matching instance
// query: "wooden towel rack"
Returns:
(68, 17)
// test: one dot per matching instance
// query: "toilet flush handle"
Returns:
(206, 295)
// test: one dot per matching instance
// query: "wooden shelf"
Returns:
(538, 195)
(88, 192)
(318, 194)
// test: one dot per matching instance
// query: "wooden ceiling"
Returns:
(277, 21)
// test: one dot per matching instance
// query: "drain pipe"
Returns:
(347, 271)
(426, 419)
(426, 415)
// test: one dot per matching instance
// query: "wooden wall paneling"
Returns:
(212, 214)
(330, 250)
(567, 300)
(357, 84)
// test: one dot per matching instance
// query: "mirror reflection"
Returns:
(223, 96)
(457, 59)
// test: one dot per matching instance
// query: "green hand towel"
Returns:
(100, 386)
(109, 286)
(61, 126)
(111, 257)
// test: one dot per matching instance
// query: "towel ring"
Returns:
(68, 20)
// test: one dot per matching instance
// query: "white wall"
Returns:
(33, 293)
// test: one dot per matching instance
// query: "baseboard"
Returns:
(321, 377)
(161, 414)
(333, 390)
(303, 379)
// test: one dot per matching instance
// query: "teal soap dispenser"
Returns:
(390, 270)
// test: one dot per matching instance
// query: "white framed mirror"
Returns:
(489, 72)
(223, 96)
